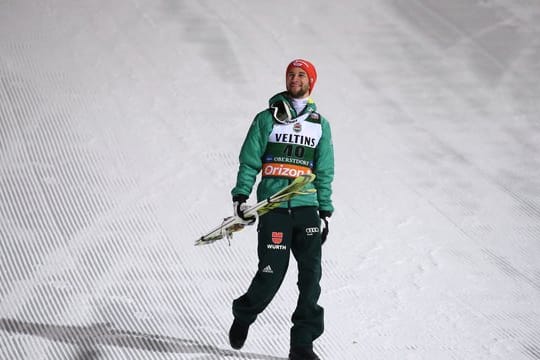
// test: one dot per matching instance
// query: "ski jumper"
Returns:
(281, 145)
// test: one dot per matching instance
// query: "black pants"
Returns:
(281, 231)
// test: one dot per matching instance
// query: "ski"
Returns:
(232, 224)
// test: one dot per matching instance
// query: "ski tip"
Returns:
(202, 241)
(205, 241)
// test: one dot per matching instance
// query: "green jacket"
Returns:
(262, 143)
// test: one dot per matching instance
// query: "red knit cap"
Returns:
(308, 68)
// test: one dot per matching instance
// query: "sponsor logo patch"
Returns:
(284, 170)
(312, 230)
(277, 237)
(275, 247)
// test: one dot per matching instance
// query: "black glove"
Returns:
(239, 205)
(324, 215)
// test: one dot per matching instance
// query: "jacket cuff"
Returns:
(240, 198)
(325, 214)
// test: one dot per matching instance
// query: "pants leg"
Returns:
(308, 317)
(274, 238)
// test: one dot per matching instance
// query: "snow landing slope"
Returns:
(120, 126)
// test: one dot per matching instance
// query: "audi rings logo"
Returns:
(312, 230)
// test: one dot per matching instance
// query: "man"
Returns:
(285, 140)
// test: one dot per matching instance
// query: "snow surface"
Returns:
(121, 123)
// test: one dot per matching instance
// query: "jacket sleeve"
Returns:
(324, 168)
(251, 157)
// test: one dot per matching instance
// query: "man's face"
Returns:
(297, 83)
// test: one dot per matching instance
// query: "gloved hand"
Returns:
(324, 215)
(239, 206)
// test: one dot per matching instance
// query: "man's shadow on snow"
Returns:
(88, 339)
